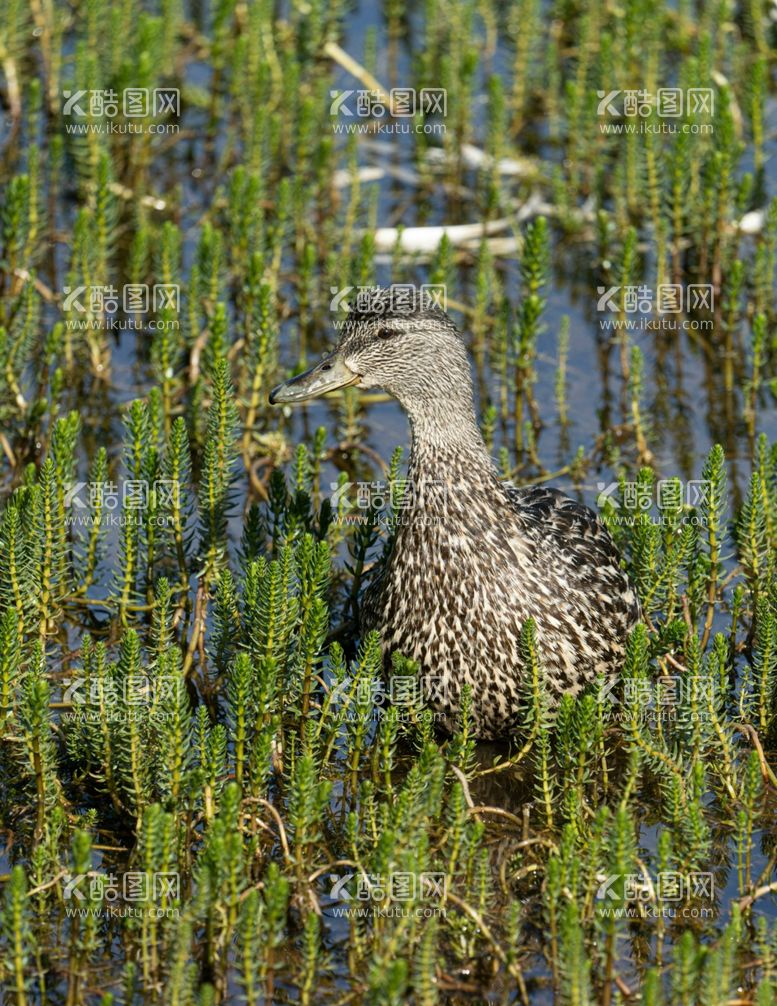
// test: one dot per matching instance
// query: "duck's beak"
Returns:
(328, 375)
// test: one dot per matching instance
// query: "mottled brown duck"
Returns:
(474, 557)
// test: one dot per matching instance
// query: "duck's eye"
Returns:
(385, 333)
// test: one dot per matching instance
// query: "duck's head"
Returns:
(406, 345)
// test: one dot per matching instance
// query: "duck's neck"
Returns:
(447, 446)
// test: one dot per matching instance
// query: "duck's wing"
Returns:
(582, 553)
(575, 526)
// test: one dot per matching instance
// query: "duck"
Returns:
(473, 557)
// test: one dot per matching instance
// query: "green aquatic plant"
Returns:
(211, 787)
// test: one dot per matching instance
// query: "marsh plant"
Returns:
(211, 788)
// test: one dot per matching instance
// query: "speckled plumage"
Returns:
(473, 557)
(455, 594)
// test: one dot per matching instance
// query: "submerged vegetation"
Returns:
(209, 793)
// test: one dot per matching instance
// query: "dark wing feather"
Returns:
(570, 522)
